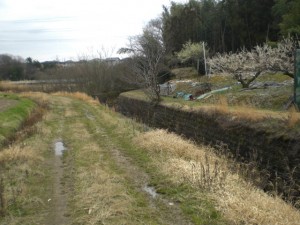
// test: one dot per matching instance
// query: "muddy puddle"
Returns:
(59, 148)
(151, 191)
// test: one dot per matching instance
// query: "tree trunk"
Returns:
(246, 83)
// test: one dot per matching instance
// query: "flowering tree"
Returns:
(246, 66)
(193, 53)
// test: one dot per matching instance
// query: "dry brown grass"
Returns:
(40, 97)
(247, 113)
(16, 162)
(238, 200)
(222, 107)
(17, 154)
(293, 117)
(8, 86)
(79, 95)
(242, 112)
(100, 195)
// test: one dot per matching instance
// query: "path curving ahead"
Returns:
(95, 180)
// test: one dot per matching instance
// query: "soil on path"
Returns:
(58, 212)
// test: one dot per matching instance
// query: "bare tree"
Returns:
(246, 66)
(147, 52)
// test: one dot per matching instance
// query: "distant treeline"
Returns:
(16, 68)
(229, 25)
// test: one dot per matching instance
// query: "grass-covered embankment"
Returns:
(13, 115)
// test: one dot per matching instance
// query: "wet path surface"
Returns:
(59, 148)
(58, 201)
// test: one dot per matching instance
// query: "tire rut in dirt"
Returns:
(169, 211)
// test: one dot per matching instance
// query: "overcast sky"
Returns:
(67, 29)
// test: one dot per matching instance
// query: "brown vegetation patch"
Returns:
(78, 95)
(8, 86)
(6, 104)
(238, 200)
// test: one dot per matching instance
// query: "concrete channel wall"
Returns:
(270, 146)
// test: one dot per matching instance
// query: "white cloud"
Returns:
(65, 28)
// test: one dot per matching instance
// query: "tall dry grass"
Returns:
(244, 112)
(293, 117)
(17, 154)
(79, 95)
(237, 199)
(40, 97)
(241, 112)
(100, 194)
(8, 86)
(15, 164)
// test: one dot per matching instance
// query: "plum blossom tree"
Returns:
(246, 66)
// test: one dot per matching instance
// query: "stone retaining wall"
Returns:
(272, 147)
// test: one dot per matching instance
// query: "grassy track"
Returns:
(109, 172)
(102, 175)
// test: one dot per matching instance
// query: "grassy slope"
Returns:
(272, 98)
(262, 107)
(12, 118)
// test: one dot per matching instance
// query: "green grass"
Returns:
(12, 118)
(271, 98)
(185, 72)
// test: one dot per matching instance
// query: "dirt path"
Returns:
(138, 177)
(58, 200)
(58, 211)
(132, 185)
(94, 181)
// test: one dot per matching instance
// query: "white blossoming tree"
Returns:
(246, 66)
